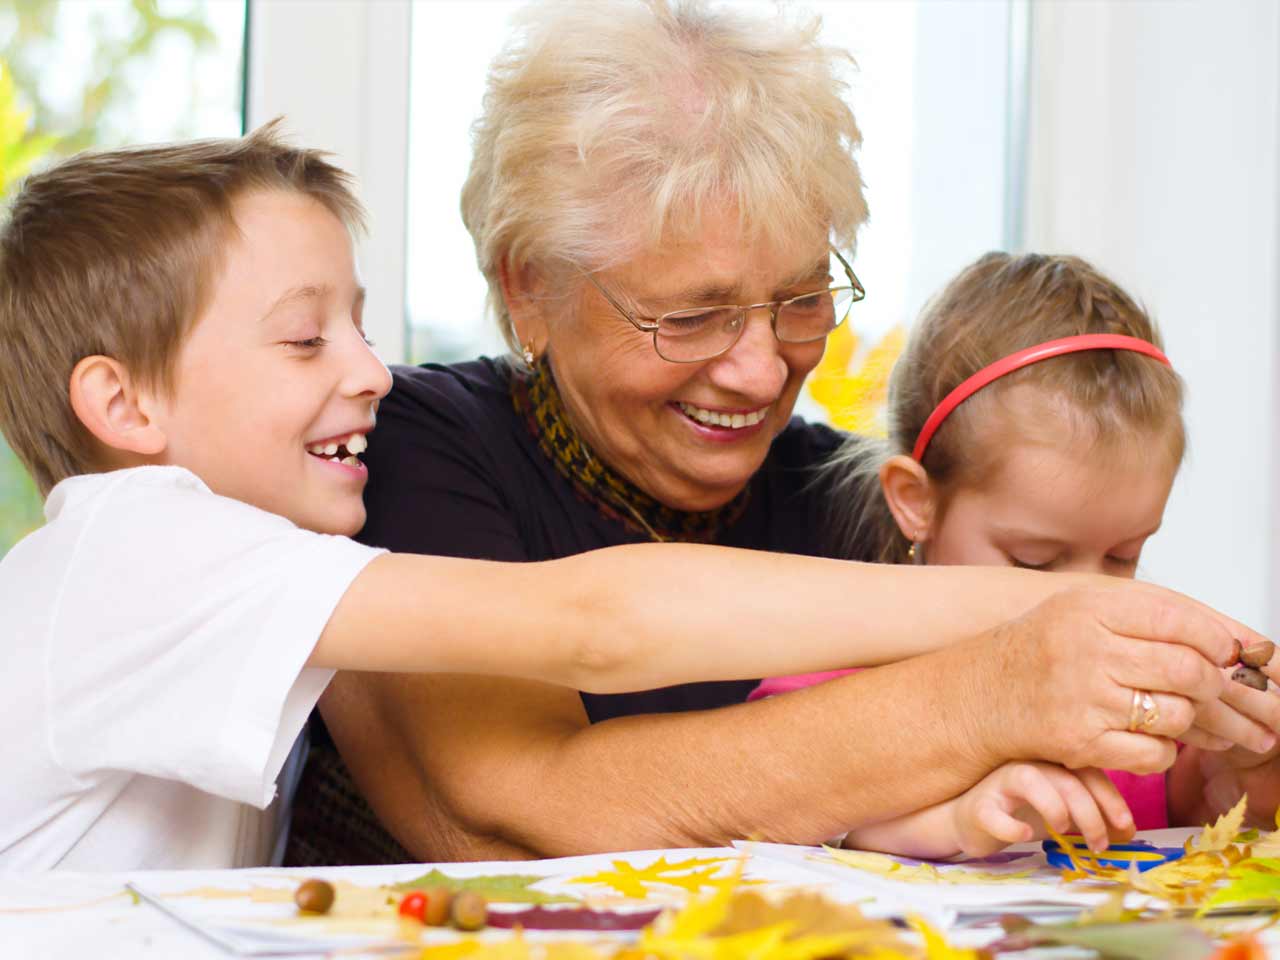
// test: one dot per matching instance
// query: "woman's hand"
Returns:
(1014, 802)
(1206, 784)
(1066, 674)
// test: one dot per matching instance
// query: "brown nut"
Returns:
(1250, 677)
(314, 896)
(1258, 654)
(436, 911)
(469, 910)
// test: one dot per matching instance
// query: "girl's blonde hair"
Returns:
(997, 306)
(609, 124)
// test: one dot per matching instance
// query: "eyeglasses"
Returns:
(703, 333)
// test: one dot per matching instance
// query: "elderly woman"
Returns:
(664, 201)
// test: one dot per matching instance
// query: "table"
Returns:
(67, 915)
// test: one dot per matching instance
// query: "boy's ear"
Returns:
(525, 294)
(910, 496)
(113, 409)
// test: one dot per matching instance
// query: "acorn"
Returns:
(439, 902)
(1258, 654)
(1250, 677)
(469, 910)
(314, 896)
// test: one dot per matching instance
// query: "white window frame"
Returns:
(339, 73)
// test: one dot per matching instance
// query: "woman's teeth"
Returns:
(352, 445)
(734, 421)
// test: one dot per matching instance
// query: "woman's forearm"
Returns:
(507, 767)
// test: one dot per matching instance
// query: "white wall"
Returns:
(1153, 152)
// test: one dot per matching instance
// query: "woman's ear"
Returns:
(525, 294)
(111, 407)
(910, 496)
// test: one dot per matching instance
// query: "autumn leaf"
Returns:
(885, 866)
(19, 149)
(732, 924)
(854, 396)
(1221, 834)
(514, 948)
(1148, 940)
(1250, 885)
(1241, 948)
(497, 888)
(694, 875)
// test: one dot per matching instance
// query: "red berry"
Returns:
(414, 905)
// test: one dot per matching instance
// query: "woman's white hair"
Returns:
(609, 125)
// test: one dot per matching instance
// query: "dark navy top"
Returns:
(455, 471)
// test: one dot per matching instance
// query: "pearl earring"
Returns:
(529, 358)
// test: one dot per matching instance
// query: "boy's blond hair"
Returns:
(998, 305)
(115, 253)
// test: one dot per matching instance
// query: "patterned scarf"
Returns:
(537, 400)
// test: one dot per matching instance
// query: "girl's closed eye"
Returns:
(1028, 565)
(311, 343)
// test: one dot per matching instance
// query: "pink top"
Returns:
(1145, 793)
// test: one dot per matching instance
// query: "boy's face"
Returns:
(277, 371)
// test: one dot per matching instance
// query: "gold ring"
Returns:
(1150, 715)
(1136, 707)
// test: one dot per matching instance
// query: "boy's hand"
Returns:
(1013, 803)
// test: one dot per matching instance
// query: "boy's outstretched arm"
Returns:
(650, 615)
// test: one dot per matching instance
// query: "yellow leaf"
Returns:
(694, 875)
(936, 946)
(884, 866)
(1221, 834)
(853, 390)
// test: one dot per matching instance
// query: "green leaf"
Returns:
(498, 888)
(1249, 886)
(1156, 940)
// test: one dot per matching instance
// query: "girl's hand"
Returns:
(1236, 717)
(1013, 803)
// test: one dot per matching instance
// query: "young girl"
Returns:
(1033, 422)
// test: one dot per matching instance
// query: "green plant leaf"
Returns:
(499, 888)
(1154, 940)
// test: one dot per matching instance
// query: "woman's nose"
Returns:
(754, 366)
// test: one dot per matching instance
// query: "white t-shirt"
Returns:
(154, 678)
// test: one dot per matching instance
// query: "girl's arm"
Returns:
(1012, 804)
(650, 615)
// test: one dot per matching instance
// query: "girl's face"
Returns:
(1056, 500)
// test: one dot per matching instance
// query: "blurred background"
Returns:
(1144, 136)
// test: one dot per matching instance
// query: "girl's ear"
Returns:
(910, 496)
(111, 407)
(525, 295)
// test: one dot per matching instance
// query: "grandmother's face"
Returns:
(643, 415)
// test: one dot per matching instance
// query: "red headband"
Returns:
(1024, 358)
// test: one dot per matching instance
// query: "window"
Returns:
(75, 75)
(933, 95)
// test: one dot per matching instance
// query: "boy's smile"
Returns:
(276, 387)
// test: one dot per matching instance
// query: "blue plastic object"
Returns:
(1141, 854)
